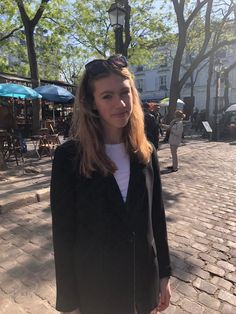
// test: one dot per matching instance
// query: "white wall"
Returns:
(152, 77)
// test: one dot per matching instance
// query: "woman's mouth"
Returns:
(120, 114)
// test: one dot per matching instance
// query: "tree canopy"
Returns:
(67, 34)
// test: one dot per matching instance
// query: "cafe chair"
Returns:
(47, 144)
(10, 147)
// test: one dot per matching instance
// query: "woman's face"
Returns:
(114, 103)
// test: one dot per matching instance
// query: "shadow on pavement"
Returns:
(27, 256)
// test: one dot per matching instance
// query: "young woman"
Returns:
(176, 132)
(109, 228)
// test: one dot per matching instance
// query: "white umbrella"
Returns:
(231, 108)
(165, 102)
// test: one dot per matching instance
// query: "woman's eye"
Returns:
(125, 92)
(106, 96)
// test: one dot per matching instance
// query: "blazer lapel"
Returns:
(136, 188)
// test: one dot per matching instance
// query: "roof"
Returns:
(14, 78)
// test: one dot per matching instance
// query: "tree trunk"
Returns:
(29, 27)
(208, 90)
(226, 89)
(192, 86)
(174, 90)
(29, 33)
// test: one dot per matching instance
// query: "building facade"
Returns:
(154, 84)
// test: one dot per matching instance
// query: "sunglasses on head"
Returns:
(99, 66)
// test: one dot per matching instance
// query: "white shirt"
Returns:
(118, 154)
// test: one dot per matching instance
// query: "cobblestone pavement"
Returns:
(200, 204)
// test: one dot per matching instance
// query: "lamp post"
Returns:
(117, 15)
(218, 69)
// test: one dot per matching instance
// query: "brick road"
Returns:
(200, 204)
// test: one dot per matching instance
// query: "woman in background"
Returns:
(176, 132)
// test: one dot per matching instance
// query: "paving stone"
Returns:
(228, 297)
(8, 264)
(4, 302)
(220, 247)
(231, 277)
(203, 241)
(42, 309)
(233, 253)
(227, 309)
(226, 265)
(200, 273)
(200, 247)
(9, 307)
(206, 257)
(187, 290)
(209, 311)
(178, 262)
(215, 239)
(219, 255)
(191, 307)
(198, 233)
(221, 229)
(182, 275)
(174, 297)
(195, 261)
(218, 281)
(214, 270)
(8, 284)
(204, 286)
(209, 301)
(29, 248)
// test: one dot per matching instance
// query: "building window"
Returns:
(187, 85)
(139, 68)
(162, 83)
(156, 83)
(140, 85)
(163, 62)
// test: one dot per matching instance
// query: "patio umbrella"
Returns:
(165, 102)
(18, 91)
(54, 93)
(231, 108)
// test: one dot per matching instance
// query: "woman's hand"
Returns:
(165, 294)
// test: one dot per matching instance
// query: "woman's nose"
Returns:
(120, 102)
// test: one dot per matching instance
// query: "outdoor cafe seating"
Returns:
(10, 147)
(45, 142)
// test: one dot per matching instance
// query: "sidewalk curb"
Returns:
(31, 198)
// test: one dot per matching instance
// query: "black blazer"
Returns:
(109, 254)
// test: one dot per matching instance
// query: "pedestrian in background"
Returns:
(194, 118)
(176, 132)
(156, 112)
(109, 227)
(151, 126)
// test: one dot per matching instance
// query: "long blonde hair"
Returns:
(87, 128)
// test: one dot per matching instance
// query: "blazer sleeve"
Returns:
(159, 222)
(62, 196)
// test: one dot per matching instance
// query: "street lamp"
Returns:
(117, 15)
(218, 69)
